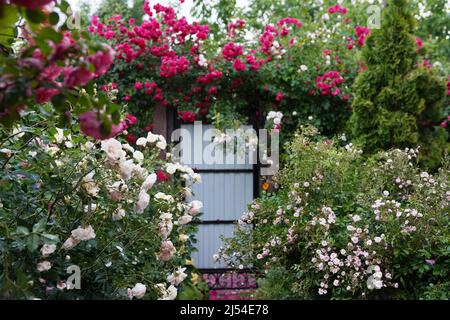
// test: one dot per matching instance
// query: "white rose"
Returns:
(142, 142)
(116, 189)
(139, 290)
(6, 151)
(271, 115)
(83, 234)
(149, 181)
(70, 243)
(113, 149)
(171, 168)
(166, 294)
(202, 62)
(163, 196)
(195, 207)
(59, 135)
(88, 146)
(44, 266)
(138, 156)
(152, 138)
(143, 202)
(196, 178)
(127, 147)
(48, 249)
(18, 133)
(139, 171)
(161, 144)
(89, 185)
(177, 277)
(126, 169)
(185, 219)
(118, 214)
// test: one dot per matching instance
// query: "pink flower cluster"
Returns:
(66, 67)
(289, 20)
(233, 26)
(231, 51)
(187, 116)
(173, 65)
(419, 43)
(361, 34)
(90, 125)
(327, 83)
(337, 9)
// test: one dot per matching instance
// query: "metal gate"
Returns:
(225, 191)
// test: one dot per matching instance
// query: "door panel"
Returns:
(209, 242)
(224, 195)
(225, 191)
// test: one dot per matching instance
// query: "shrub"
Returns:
(66, 199)
(398, 100)
(344, 226)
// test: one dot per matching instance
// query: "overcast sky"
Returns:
(185, 7)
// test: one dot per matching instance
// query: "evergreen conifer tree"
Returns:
(398, 103)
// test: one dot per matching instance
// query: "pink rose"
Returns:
(90, 126)
(102, 60)
(77, 77)
(166, 250)
(45, 94)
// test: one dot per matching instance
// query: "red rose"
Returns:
(187, 116)
(279, 96)
(161, 176)
(131, 138)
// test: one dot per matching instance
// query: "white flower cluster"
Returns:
(277, 50)
(151, 138)
(325, 218)
(384, 209)
(276, 118)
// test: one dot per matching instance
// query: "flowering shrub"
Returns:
(230, 78)
(116, 212)
(52, 65)
(342, 226)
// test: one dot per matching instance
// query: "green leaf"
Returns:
(64, 5)
(40, 226)
(53, 18)
(50, 238)
(22, 231)
(59, 102)
(35, 16)
(51, 34)
(7, 25)
(33, 242)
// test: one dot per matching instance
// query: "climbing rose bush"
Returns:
(51, 64)
(294, 68)
(115, 211)
(342, 226)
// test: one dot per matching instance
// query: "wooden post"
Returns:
(160, 120)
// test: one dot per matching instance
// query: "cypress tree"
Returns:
(396, 102)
